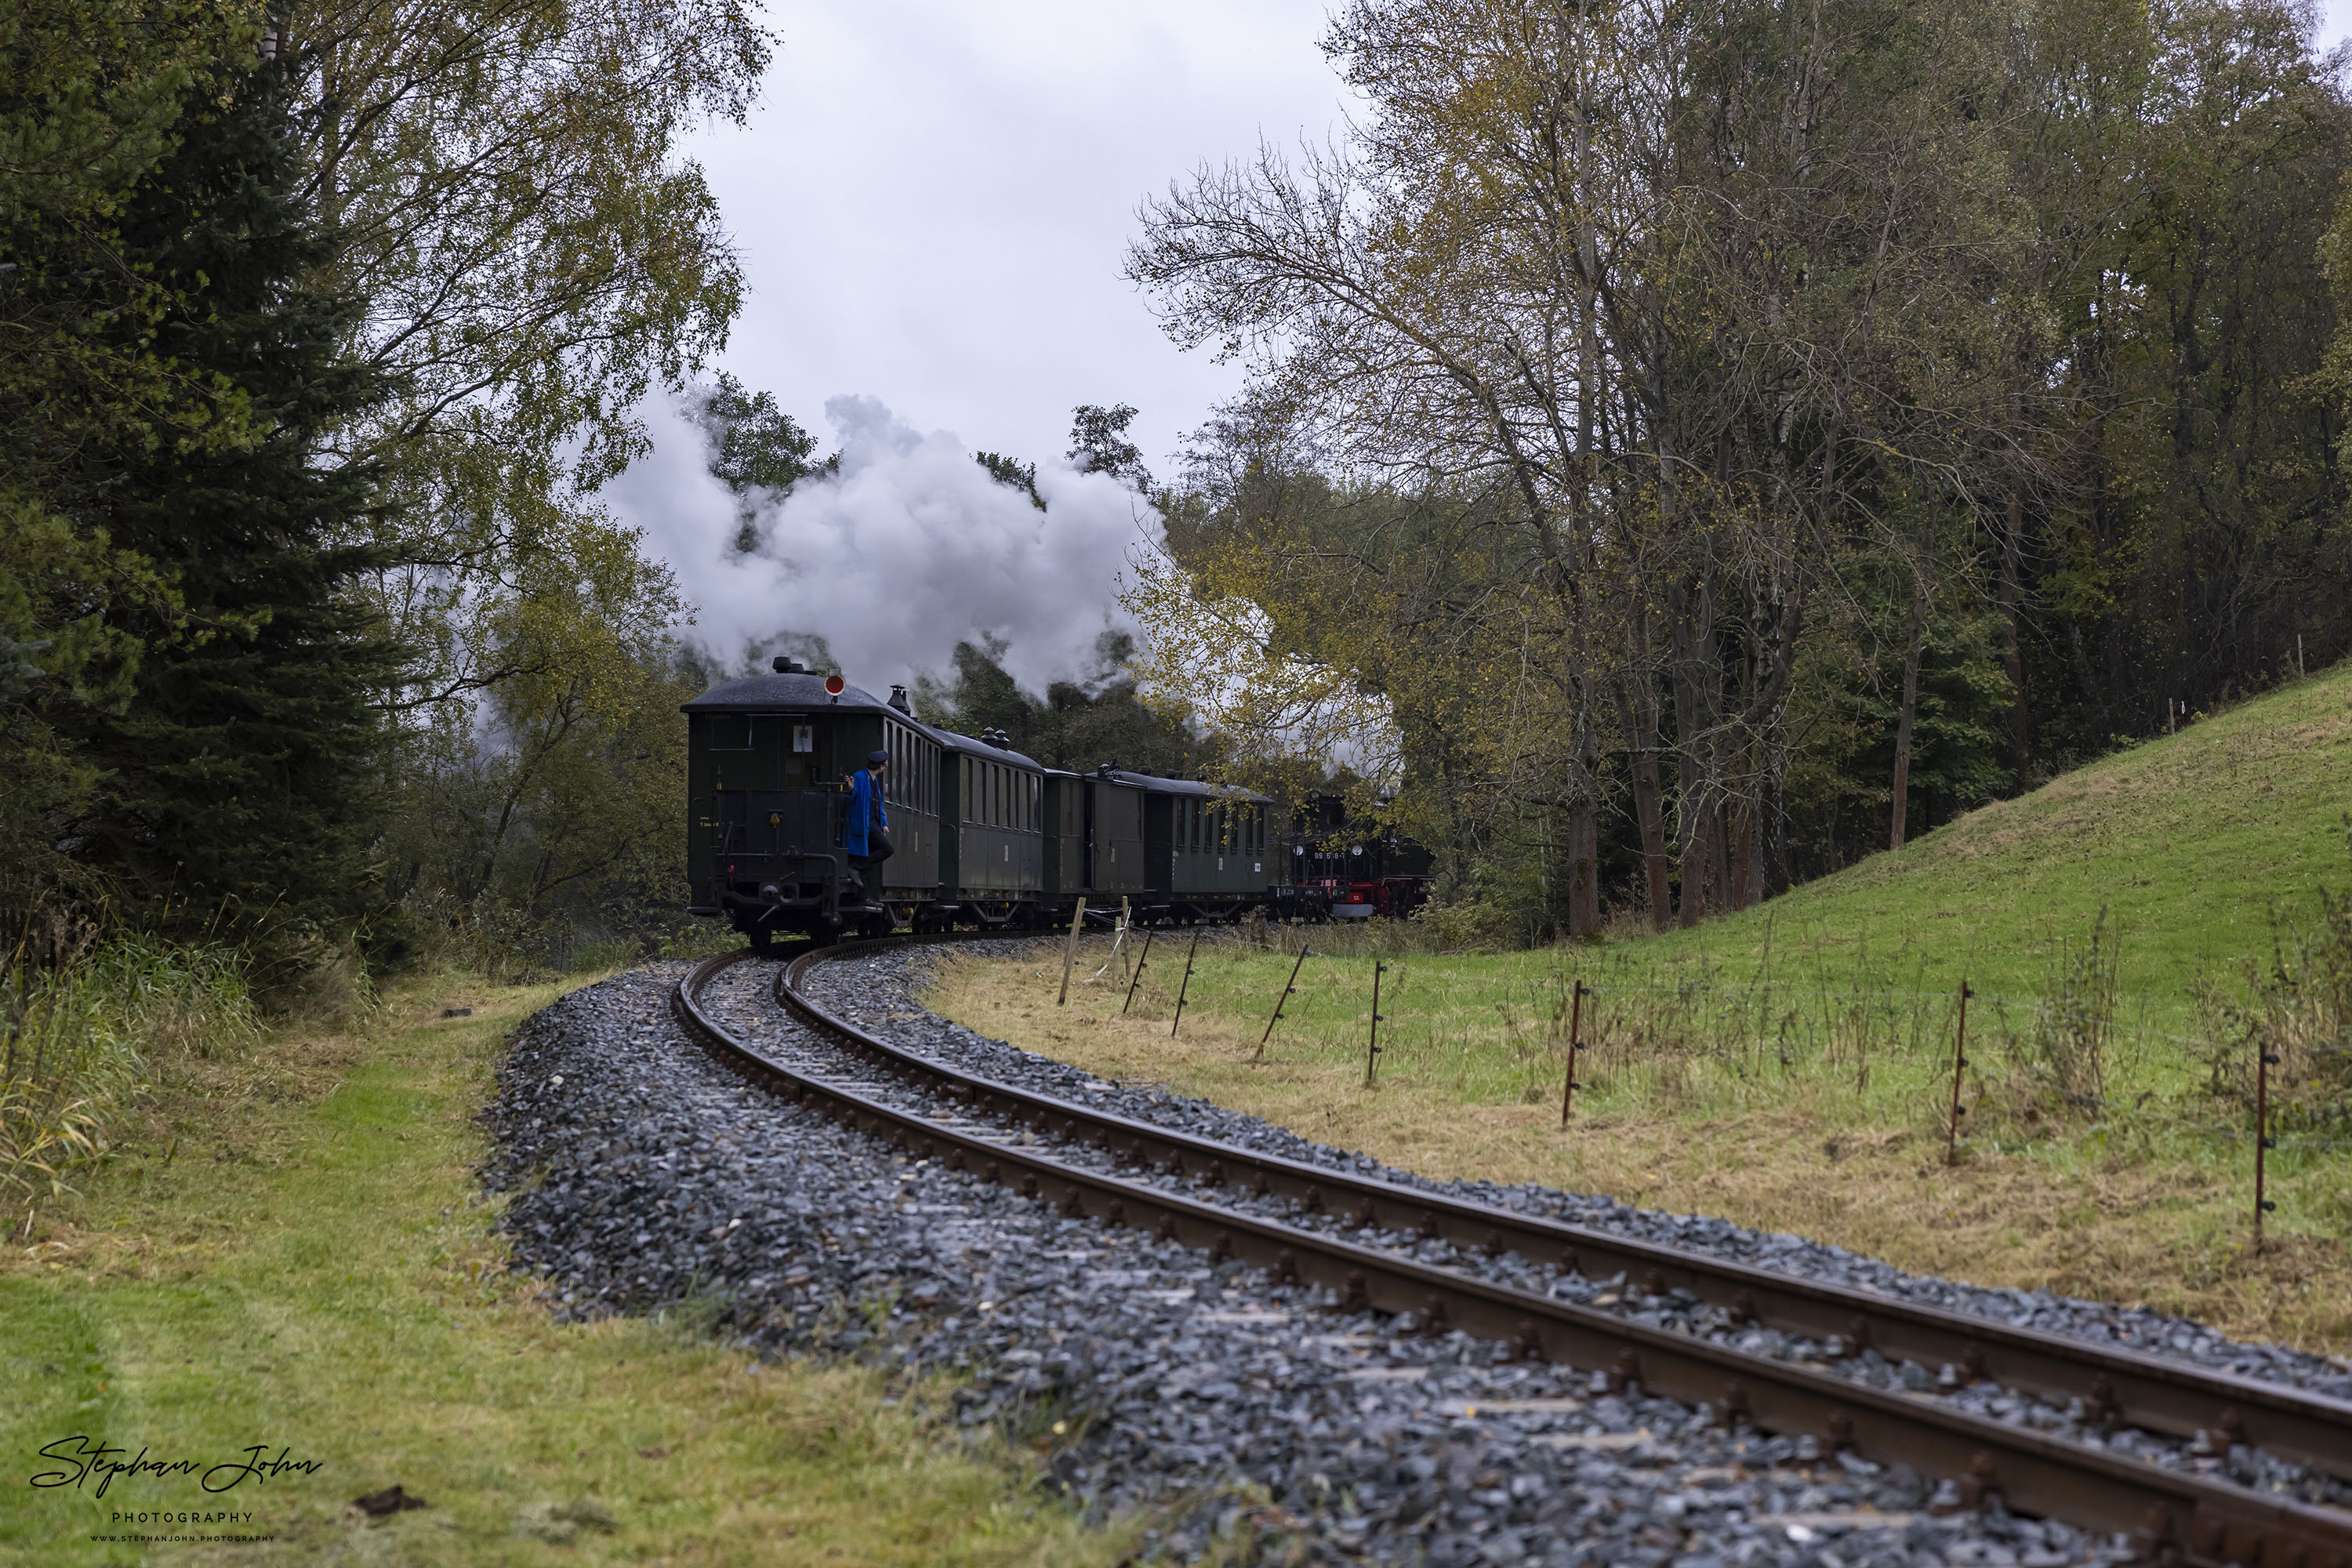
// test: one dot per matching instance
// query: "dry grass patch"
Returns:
(2118, 1221)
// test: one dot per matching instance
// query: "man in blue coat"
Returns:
(867, 834)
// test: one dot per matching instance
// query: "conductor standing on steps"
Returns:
(868, 835)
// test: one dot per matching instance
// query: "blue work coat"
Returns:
(865, 813)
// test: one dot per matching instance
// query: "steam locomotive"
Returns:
(985, 836)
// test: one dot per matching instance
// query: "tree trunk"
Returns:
(1583, 871)
(1745, 868)
(1756, 860)
(1910, 710)
(1693, 903)
(1718, 857)
(1698, 794)
(1641, 715)
(2013, 659)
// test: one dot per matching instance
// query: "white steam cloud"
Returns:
(909, 550)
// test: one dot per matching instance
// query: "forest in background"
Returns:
(1687, 448)
(320, 326)
(1684, 450)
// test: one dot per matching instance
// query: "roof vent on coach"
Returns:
(899, 701)
(784, 666)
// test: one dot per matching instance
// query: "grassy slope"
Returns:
(2187, 840)
(313, 1268)
(1702, 1097)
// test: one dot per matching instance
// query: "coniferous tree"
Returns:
(233, 794)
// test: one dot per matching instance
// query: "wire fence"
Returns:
(2071, 1047)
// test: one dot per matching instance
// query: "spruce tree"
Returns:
(236, 796)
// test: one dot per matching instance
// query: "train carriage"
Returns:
(768, 758)
(1204, 847)
(992, 870)
(982, 835)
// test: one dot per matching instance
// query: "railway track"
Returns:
(1292, 1218)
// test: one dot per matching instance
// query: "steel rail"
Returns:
(2174, 1516)
(2154, 1393)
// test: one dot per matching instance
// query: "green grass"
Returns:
(290, 1249)
(2185, 855)
(2190, 841)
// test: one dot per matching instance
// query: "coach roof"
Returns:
(782, 693)
(956, 742)
(1160, 786)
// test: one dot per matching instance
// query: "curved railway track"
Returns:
(2179, 1515)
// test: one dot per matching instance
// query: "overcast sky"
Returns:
(932, 202)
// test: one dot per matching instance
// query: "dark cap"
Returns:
(876, 759)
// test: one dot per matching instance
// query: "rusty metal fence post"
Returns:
(1141, 959)
(1575, 1044)
(1185, 989)
(2263, 1142)
(1959, 1065)
(1287, 987)
(1373, 1047)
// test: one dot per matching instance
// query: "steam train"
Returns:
(985, 836)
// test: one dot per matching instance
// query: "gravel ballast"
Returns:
(645, 1173)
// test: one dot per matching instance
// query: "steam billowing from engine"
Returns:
(908, 549)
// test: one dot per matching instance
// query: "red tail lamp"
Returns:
(835, 685)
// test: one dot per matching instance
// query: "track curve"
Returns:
(2172, 1512)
